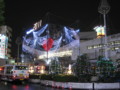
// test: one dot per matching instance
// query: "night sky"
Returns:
(20, 15)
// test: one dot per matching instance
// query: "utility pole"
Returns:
(103, 9)
(18, 42)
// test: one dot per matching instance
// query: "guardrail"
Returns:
(76, 85)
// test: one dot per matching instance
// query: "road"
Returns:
(26, 86)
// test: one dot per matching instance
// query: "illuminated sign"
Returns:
(100, 31)
(37, 25)
(3, 46)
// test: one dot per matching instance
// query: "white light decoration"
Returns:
(42, 71)
(31, 69)
(31, 30)
(56, 54)
(40, 42)
(69, 69)
(48, 61)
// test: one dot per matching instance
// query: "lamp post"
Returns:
(104, 9)
(18, 42)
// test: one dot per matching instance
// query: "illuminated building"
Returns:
(50, 42)
(94, 48)
(5, 39)
(3, 46)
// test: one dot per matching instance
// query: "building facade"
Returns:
(5, 42)
(96, 47)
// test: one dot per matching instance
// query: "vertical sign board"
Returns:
(3, 46)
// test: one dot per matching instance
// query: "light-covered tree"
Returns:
(82, 67)
(105, 68)
(55, 67)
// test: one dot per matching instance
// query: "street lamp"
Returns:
(104, 8)
(18, 42)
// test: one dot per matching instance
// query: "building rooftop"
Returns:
(87, 35)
